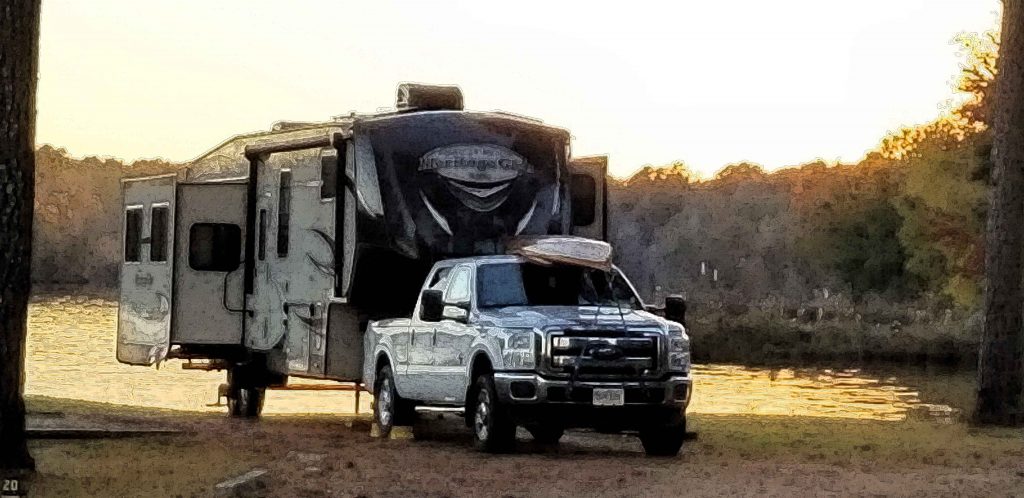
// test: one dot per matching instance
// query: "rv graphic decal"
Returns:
(325, 268)
(479, 175)
(313, 322)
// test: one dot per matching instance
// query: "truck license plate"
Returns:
(609, 397)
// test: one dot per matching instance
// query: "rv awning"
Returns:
(564, 249)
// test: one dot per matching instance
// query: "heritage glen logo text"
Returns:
(475, 163)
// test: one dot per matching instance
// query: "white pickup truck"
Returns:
(546, 345)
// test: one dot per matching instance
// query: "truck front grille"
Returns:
(597, 355)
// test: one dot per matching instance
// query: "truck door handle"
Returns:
(433, 339)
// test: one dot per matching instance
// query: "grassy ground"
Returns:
(323, 456)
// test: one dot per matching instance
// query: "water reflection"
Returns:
(850, 393)
(71, 355)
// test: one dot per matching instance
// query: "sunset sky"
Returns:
(647, 82)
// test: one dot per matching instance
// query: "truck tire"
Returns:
(665, 439)
(546, 433)
(389, 409)
(493, 428)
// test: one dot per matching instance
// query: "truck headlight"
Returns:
(520, 350)
(678, 349)
(679, 362)
(677, 340)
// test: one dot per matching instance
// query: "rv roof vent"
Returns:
(420, 97)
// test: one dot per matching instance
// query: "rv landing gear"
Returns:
(245, 392)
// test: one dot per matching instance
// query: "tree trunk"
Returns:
(1000, 370)
(19, 47)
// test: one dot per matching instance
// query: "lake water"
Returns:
(70, 354)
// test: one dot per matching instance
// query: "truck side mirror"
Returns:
(431, 305)
(675, 309)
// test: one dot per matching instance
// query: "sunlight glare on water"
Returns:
(71, 344)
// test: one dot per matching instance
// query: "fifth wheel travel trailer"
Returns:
(269, 254)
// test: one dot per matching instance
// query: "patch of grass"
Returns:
(217, 448)
(156, 466)
(872, 443)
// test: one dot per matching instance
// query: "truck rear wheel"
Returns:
(493, 427)
(664, 439)
(389, 409)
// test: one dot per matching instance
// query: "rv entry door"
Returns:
(144, 315)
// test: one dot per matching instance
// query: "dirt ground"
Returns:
(335, 456)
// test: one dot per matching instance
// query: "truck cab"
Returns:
(545, 339)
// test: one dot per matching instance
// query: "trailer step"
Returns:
(208, 365)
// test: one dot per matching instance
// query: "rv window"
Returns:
(329, 175)
(263, 235)
(158, 233)
(214, 246)
(133, 235)
(284, 200)
(584, 199)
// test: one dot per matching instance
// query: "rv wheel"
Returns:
(245, 393)
(246, 402)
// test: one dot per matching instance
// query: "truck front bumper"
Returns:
(532, 389)
(532, 398)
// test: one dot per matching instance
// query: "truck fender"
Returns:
(481, 351)
(377, 353)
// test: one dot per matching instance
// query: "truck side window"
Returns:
(214, 246)
(133, 235)
(458, 290)
(158, 233)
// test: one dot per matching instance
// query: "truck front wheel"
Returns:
(389, 409)
(664, 439)
(493, 427)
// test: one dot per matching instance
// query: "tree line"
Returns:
(903, 225)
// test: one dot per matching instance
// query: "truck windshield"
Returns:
(528, 284)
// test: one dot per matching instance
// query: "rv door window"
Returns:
(158, 233)
(214, 246)
(284, 200)
(329, 175)
(584, 200)
(133, 235)
(262, 251)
